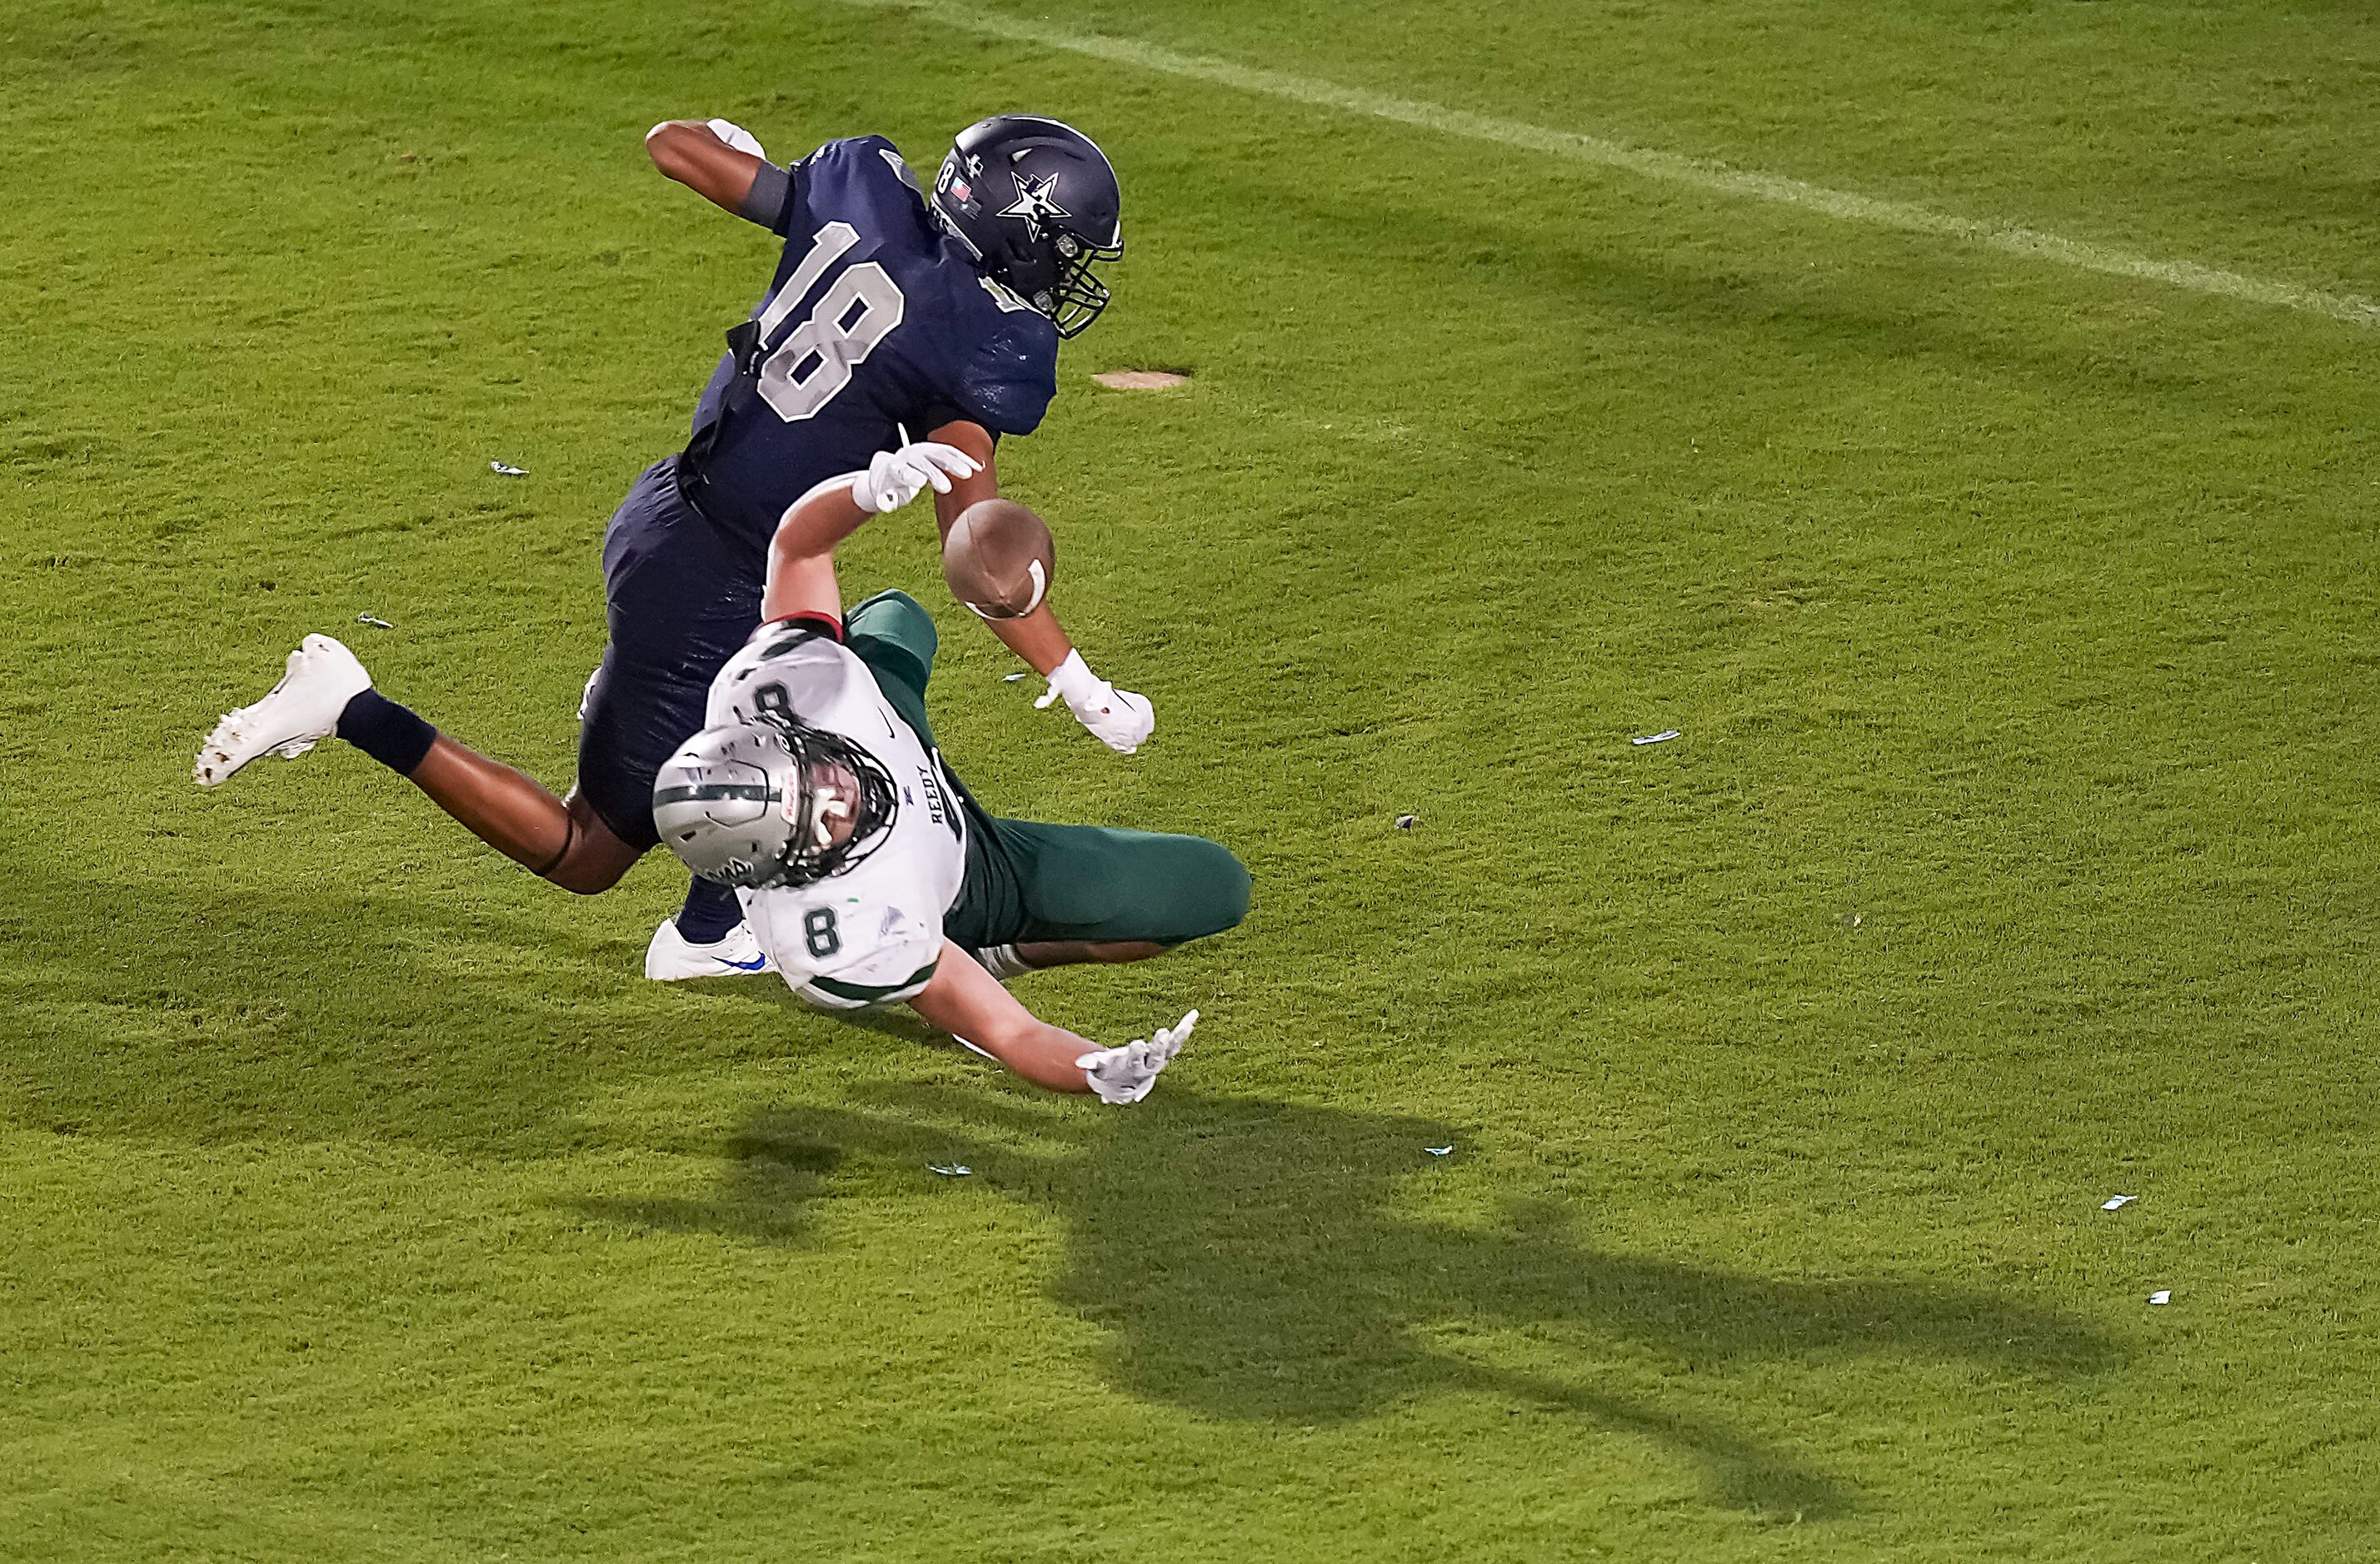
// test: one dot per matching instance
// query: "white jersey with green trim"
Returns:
(870, 935)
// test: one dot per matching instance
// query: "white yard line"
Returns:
(1649, 162)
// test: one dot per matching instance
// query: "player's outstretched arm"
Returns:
(1119, 718)
(716, 159)
(969, 1004)
(801, 554)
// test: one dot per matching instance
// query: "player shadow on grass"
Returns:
(1252, 1260)
(190, 1011)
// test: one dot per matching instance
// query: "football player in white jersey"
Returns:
(867, 872)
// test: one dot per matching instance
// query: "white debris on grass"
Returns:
(1664, 736)
(2162, 1295)
(1010, 678)
(1439, 1150)
(1406, 822)
(2117, 1202)
(950, 1170)
(506, 469)
(374, 618)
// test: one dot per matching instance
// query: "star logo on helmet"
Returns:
(1033, 203)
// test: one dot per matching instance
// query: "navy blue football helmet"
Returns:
(1037, 202)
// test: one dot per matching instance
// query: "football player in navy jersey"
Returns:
(893, 316)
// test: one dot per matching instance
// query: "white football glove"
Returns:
(735, 136)
(1118, 719)
(1122, 1076)
(895, 478)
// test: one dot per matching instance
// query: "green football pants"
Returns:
(1030, 881)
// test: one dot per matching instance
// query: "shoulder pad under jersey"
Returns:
(1007, 385)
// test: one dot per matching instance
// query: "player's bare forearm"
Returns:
(801, 551)
(689, 151)
(801, 554)
(976, 440)
(966, 1001)
(1037, 637)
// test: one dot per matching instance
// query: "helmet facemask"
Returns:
(841, 810)
(1078, 296)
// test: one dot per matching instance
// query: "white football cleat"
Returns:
(1001, 962)
(673, 958)
(300, 712)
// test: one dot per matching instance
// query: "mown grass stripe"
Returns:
(1652, 164)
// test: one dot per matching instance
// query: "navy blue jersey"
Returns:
(876, 322)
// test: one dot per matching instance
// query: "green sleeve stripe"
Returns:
(863, 993)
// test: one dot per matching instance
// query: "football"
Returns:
(999, 559)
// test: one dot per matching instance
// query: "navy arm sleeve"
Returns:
(770, 198)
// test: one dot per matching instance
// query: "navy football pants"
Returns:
(680, 598)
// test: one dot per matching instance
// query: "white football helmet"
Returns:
(773, 801)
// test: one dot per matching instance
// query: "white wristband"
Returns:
(1073, 679)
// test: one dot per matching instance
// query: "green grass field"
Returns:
(358, 1200)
